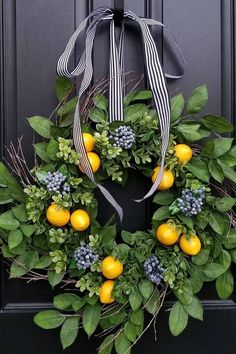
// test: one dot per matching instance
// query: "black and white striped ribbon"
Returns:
(155, 75)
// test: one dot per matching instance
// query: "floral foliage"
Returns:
(191, 239)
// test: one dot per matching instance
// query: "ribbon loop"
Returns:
(155, 73)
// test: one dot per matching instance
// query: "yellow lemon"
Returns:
(183, 152)
(190, 245)
(111, 268)
(94, 160)
(57, 216)
(105, 292)
(167, 234)
(80, 220)
(89, 142)
(167, 178)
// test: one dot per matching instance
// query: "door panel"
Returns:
(33, 35)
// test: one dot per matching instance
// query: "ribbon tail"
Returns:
(111, 200)
(159, 89)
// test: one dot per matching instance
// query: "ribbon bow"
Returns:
(155, 75)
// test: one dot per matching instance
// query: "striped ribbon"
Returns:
(155, 74)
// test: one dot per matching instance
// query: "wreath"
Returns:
(50, 230)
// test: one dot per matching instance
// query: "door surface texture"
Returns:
(33, 34)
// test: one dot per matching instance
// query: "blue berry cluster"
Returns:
(124, 137)
(191, 201)
(153, 269)
(55, 182)
(84, 256)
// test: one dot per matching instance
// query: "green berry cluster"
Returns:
(59, 258)
(176, 268)
(58, 235)
(35, 202)
(106, 148)
(64, 201)
(66, 152)
(90, 282)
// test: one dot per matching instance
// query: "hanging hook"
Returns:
(118, 11)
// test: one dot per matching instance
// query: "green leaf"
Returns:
(201, 258)
(186, 297)
(216, 171)
(230, 239)
(20, 213)
(5, 196)
(66, 120)
(218, 222)
(8, 221)
(133, 112)
(227, 160)
(41, 151)
(63, 87)
(136, 96)
(91, 318)
(225, 204)
(78, 303)
(217, 123)
(178, 319)
(5, 251)
(69, 331)
(233, 255)
(27, 229)
(100, 101)
(43, 262)
(14, 238)
(67, 108)
(225, 259)
(41, 125)
(164, 198)
(189, 131)
(230, 174)
(121, 251)
(64, 301)
(130, 331)
(221, 146)
(137, 317)
(161, 213)
(107, 345)
(146, 288)
(117, 318)
(122, 344)
(195, 310)
(225, 285)
(197, 100)
(55, 278)
(28, 259)
(49, 319)
(17, 270)
(127, 237)
(208, 147)
(98, 115)
(52, 149)
(187, 220)
(202, 219)
(135, 299)
(15, 191)
(177, 106)
(152, 304)
(196, 282)
(204, 132)
(213, 270)
(107, 233)
(199, 169)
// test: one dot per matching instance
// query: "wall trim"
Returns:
(208, 305)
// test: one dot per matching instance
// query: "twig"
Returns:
(163, 295)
